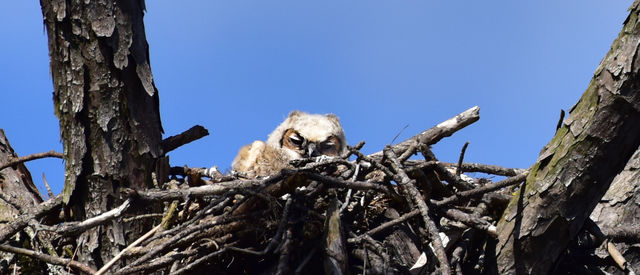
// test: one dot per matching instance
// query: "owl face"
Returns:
(304, 135)
(304, 147)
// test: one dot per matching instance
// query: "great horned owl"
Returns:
(301, 135)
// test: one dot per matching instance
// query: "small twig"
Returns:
(372, 161)
(11, 202)
(204, 190)
(438, 132)
(366, 260)
(106, 267)
(560, 120)
(26, 158)
(347, 198)
(335, 254)
(142, 217)
(314, 163)
(281, 227)
(622, 233)
(170, 258)
(410, 151)
(481, 190)
(617, 256)
(211, 172)
(184, 236)
(356, 147)
(72, 228)
(385, 225)
(285, 254)
(189, 234)
(471, 221)
(277, 237)
(460, 250)
(422, 165)
(452, 178)
(399, 133)
(46, 185)
(212, 206)
(459, 167)
(21, 221)
(358, 185)
(449, 177)
(173, 142)
(48, 258)
(451, 213)
(186, 269)
(487, 169)
(412, 193)
(377, 247)
(306, 260)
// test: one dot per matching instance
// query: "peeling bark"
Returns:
(107, 105)
(576, 168)
(18, 193)
(618, 214)
(15, 183)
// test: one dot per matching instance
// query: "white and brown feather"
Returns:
(300, 135)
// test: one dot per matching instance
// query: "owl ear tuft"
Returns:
(295, 113)
(333, 118)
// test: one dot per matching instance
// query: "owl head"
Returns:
(304, 135)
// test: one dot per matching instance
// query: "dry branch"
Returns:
(48, 258)
(486, 168)
(440, 131)
(201, 191)
(171, 143)
(71, 228)
(50, 154)
(471, 221)
(294, 221)
(108, 265)
(20, 222)
(482, 190)
(412, 194)
(459, 166)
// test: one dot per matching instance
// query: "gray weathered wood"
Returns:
(107, 104)
(618, 213)
(577, 166)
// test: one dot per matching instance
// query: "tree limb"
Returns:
(26, 158)
(171, 143)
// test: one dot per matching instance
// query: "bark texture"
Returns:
(18, 193)
(16, 184)
(107, 104)
(576, 168)
(618, 215)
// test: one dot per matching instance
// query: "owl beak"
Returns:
(311, 150)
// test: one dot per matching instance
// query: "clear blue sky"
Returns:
(239, 67)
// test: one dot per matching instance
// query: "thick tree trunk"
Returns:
(576, 168)
(107, 104)
(618, 215)
(19, 194)
(15, 183)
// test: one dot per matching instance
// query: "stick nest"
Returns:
(400, 210)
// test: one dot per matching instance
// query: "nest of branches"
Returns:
(383, 213)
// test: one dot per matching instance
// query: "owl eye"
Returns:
(330, 147)
(296, 139)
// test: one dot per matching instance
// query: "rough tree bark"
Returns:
(107, 104)
(577, 166)
(618, 215)
(16, 184)
(17, 193)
